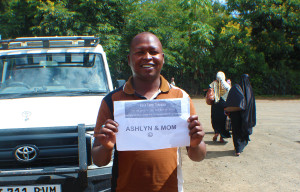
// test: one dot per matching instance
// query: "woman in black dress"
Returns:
(242, 110)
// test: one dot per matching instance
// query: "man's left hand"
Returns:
(196, 131)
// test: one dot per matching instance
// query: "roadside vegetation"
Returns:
(200, 37)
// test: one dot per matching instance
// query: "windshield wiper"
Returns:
(70, 92)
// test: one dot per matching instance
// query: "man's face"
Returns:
(146, 57)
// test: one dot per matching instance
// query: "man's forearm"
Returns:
(197, 153)
(101, 155)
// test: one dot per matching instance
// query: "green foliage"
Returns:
(199, 37)
(274, 42)
(16, 17)
(53, 19)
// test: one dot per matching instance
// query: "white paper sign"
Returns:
(152, 124)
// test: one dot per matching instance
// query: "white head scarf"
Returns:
(220, 76)
(221, 87)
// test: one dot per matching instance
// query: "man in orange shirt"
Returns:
(150, 170)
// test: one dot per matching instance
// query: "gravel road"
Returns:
(270, 162)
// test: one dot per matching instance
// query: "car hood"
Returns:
(49, 111)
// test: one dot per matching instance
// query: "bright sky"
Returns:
(222, 1)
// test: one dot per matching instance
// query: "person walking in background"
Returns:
(228, 120)
(241, 107)
(216, 97)
(173, 81)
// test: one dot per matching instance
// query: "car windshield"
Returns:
(54, 73)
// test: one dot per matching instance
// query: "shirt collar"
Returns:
(164, 86)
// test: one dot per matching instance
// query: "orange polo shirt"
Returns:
(151, 170)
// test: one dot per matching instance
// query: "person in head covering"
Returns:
(242, 110)
(216, 96)
(173, 81)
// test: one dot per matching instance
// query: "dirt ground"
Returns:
(270, 162)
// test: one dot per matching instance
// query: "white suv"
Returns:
(50, 92)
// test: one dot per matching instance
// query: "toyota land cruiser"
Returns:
(50, 92)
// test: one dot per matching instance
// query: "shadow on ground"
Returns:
(217, 154)
(215, 143)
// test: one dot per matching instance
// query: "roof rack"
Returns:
(49, 42)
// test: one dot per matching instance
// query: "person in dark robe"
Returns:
(240, 106)
(216, 97)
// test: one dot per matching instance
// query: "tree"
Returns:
(16, 17)
(199, 37)
(200, 34)
(53, 18)
(275, 37)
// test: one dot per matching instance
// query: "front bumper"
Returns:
(70, 179)
(80, 178)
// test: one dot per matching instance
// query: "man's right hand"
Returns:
(106, 134)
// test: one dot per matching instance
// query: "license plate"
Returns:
(32, 188)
